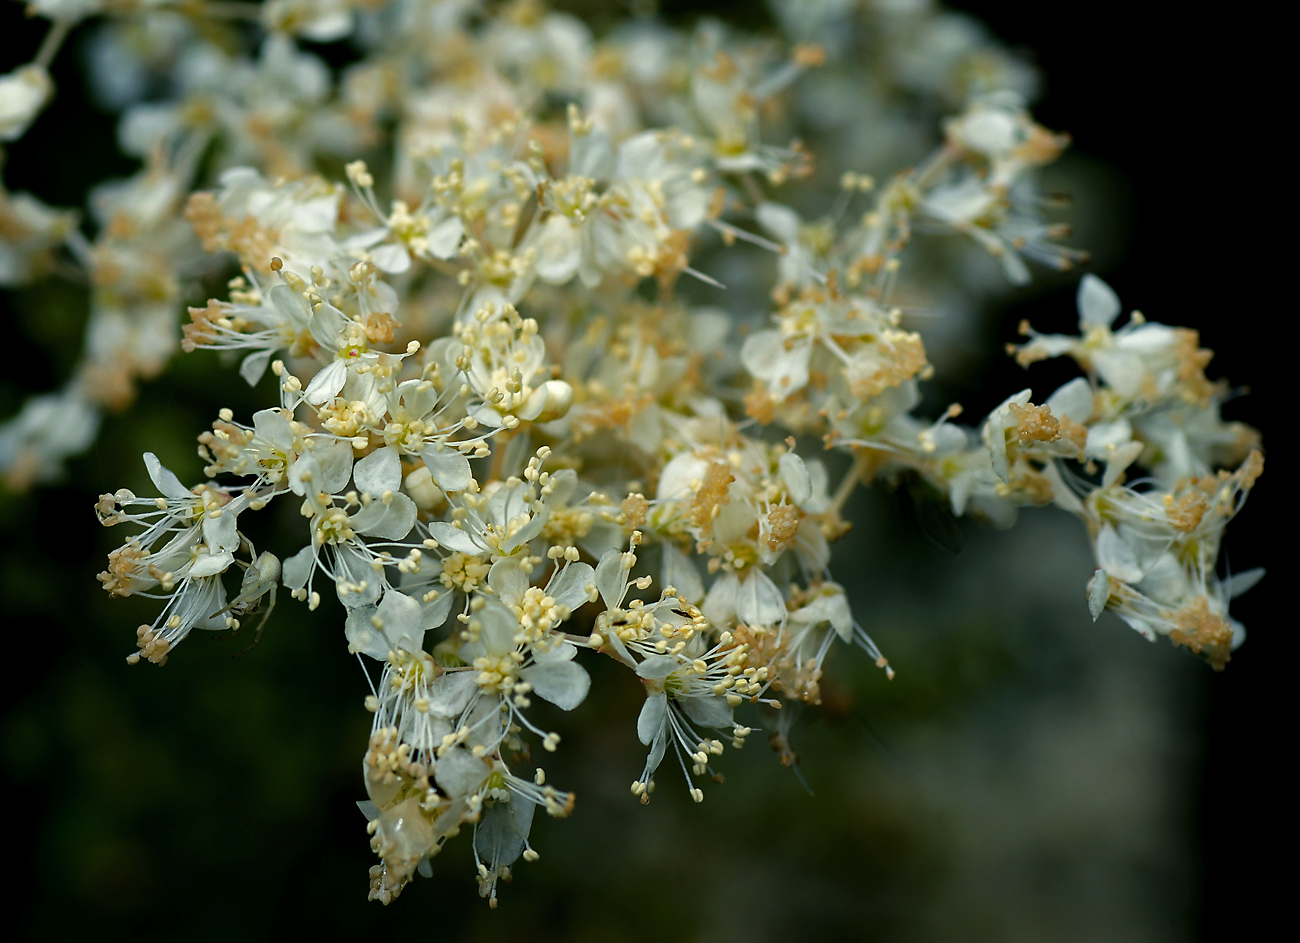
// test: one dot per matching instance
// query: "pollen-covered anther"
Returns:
(1204, 632)
(1035, 423)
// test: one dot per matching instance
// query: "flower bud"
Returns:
(549, 402)
(426, 495)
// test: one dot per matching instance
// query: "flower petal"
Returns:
(1116, 557)
(378, 472)
(657, 667)
(1098, 303)
(758, 601)
(453, 538)
(1098, 593)
(563, 683)
(392, 519)
(168, 485)
(402, 621)
(362, 635)
(651, 719)
(569, 586)
(459, 773)
(325, 385)
(449, 469)
(451, 693)
(707, 711)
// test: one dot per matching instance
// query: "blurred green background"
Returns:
(1027, 776)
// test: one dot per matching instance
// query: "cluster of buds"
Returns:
(510, 396)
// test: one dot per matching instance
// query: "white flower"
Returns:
(23, 93)
(47, 431)
(395, 625)
(499, 524)
(30, 231)
(379, 510)
(501, 650)
(691, 688)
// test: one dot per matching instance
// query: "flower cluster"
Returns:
(524, 424)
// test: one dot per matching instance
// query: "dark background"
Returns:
(214, 799)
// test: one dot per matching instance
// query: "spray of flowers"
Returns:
(482, 279)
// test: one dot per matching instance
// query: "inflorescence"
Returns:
(473, 261)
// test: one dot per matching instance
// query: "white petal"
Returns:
(496, 837)
(779, 220)
(335, 461)
(353, 570)
(1098, 593)
(1238, 633)
(591, 156)
(437, 610)
(453, 538)
(569, 586)
(367, 239)
(393, 520)
(783, 368)
(565, 651)
(327, 325)
(305, 475)
(1014, 267)
(498, 628)
(557, 255)
(254, 365)
(1063, 496)
(210, 564)
(1116, 557)
(758, 601)
(840, 615)
(651, 719)
(295, 570)
(402, 621)
(528, 531)
(563, 683)
(444, 238)
(657, 749)
(676, 477)
(362, 636)
(657, 667)
(994, 433)
(1118, 460)
(707, 711)
(451, 693)
(1098, 303)
(222, 533)
(325, 385)
(391, 257)
(1102, 436)
(1074, 399)
(610, 578)
(1137, 624)
(378, 472)
(508, 581)
(449, 469)
(168, 485)
(796, 478)
(459, 772)
(719, 604)
(1240, 582)
(681, 574)
(270, 425)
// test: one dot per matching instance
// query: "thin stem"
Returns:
(850, 480)
(59, 30)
